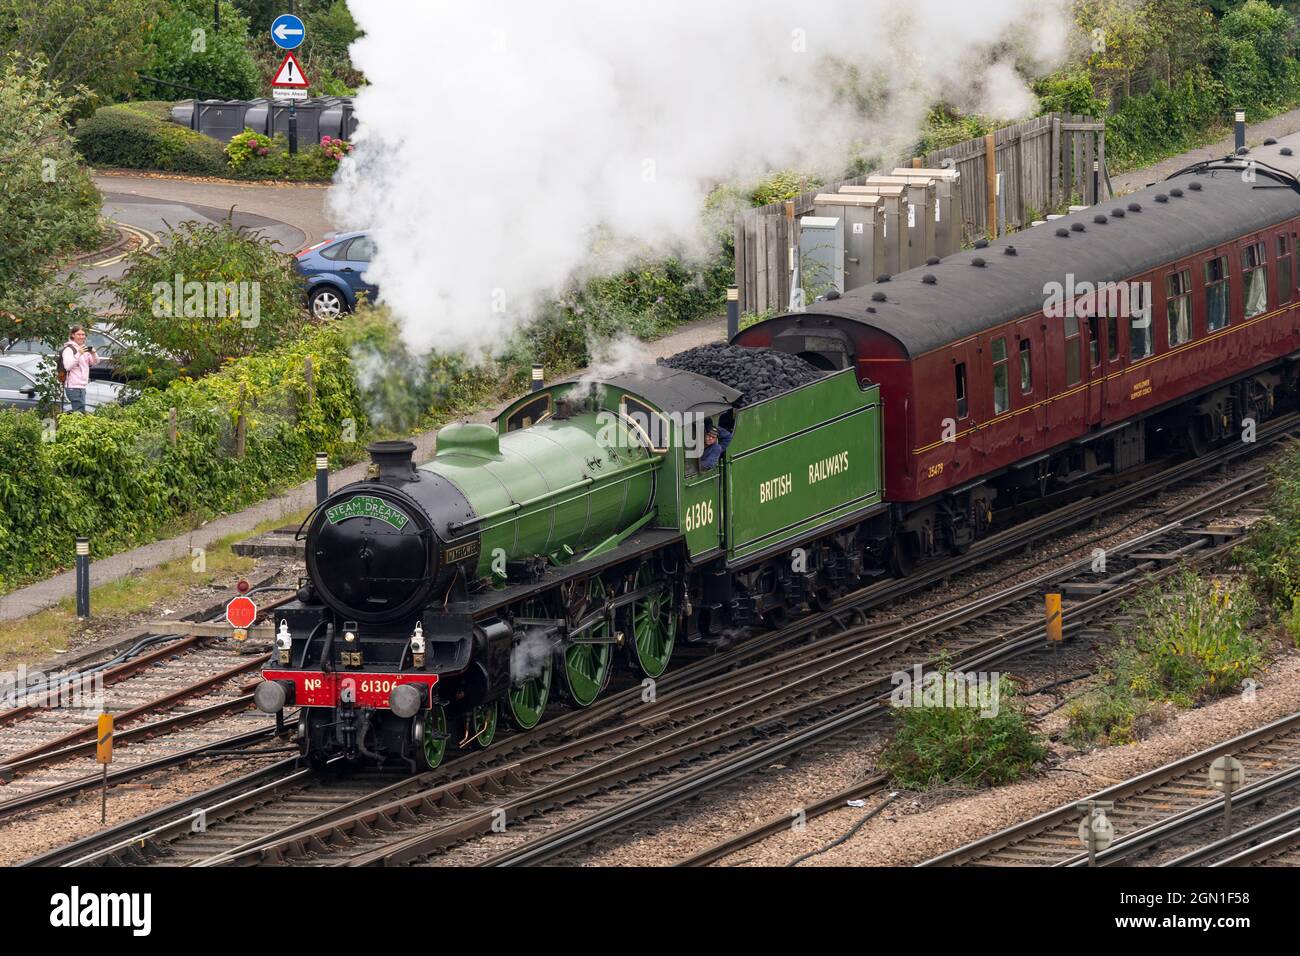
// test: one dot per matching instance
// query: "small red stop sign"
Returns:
(241, 612)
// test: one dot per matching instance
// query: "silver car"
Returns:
(18, 389)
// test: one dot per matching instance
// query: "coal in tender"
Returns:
(758, 374)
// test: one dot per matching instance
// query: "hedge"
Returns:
(116, 478)
(141, 135)
(139, 138)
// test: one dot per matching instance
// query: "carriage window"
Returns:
(1112, 338)
(1026, 367)
(1216, 293)
(1072, 371)
(1001, 378)
(1254, 279)
(963, 404)
(1178, 288)
(646, 422)
(1285, 286)
(531, 414)
(1140, 340)
(1094, 341)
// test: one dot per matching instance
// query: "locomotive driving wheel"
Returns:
(585, 667)
(528, 698)
(434, 742)
(653, 626)
(481, 725)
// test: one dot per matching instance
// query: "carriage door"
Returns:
(1094, 357)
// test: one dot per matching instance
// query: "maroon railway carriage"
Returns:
(1005, 378)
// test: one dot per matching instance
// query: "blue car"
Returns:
(332, 271)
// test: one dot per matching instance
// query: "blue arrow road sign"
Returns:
(288, 32)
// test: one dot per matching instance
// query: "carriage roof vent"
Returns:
(878, 297)
(1117, 214)
(1287, 151)
(1134, 207)
(1010, 251)
(977, 262)
(1176, 192)
(981, 243)
(929, 279)
(933, 261)
(1100, 220)
(1194, 186)
(883, 277)
(1161, 198)
(1078, 227)
(1063, 233)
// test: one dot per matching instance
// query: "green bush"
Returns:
(115, 476)
(129, 137)
(310, 164)
(186, 49)
(50, 204)
(937, 746)
(1271, 555)
(222, 272)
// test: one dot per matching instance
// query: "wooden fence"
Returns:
(1046, 164)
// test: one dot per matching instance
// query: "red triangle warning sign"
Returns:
(290, 74)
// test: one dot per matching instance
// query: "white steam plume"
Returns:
(498, 138)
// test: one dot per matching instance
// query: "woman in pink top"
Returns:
(76, 359)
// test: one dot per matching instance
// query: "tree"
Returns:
(185, 48)
(211, 293)
(1120, 35)
(50, 204)
(96, 44)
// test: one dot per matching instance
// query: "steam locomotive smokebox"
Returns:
(392, 459)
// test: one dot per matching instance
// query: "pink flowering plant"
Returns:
(246, 145)
(335, 148)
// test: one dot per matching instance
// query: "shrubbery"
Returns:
(186, 49)
(937, 746)
(210, 294)
(135, 138)
(1191, 643)
(1271, 556)
(115, 476)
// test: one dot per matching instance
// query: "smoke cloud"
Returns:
(501, 139)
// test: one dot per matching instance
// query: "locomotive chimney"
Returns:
(392, 459)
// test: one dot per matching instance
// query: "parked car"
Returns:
(18, 384)
(332, 269)
(106, 342)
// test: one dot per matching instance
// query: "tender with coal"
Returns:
(758, 374)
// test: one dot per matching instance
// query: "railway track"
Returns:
(164, 685)
(482, 779)
(1150, 809)
(717, 729)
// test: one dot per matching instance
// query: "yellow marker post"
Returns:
(1054, 630)
(104, 754)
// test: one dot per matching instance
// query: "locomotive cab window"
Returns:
(1178, 309)
(1285, 271)
(1026, 367)
(963, 403)
(651, 426)
(1073, 371)
(1001, 378)
(1216, 294)
(1254, 279)
(531, 414)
